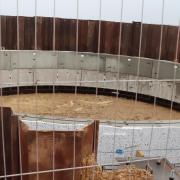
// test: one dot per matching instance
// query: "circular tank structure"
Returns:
(91, 73)
(89, 96)
(119, 141)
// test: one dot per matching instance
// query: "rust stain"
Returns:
(85, 145)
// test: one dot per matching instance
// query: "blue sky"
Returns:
(89, 9)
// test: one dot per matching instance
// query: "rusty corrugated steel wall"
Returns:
(88, 36)
(86, 144)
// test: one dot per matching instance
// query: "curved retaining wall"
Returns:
(90, 73)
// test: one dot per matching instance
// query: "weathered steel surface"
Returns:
(41, 153)
(88, 36)
(63, 151)
(9, 122)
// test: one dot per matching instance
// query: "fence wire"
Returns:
(98, 84)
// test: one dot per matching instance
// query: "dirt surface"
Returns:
(86, 106)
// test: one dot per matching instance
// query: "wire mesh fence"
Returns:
(55, 147)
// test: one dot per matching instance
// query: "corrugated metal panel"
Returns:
(88, 36)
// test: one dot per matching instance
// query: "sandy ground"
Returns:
(86, 106)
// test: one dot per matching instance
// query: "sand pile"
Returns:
(126, 173)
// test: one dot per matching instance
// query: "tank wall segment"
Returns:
(87, 61)
(28, 68)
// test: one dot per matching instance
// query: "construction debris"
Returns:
(129, 172)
